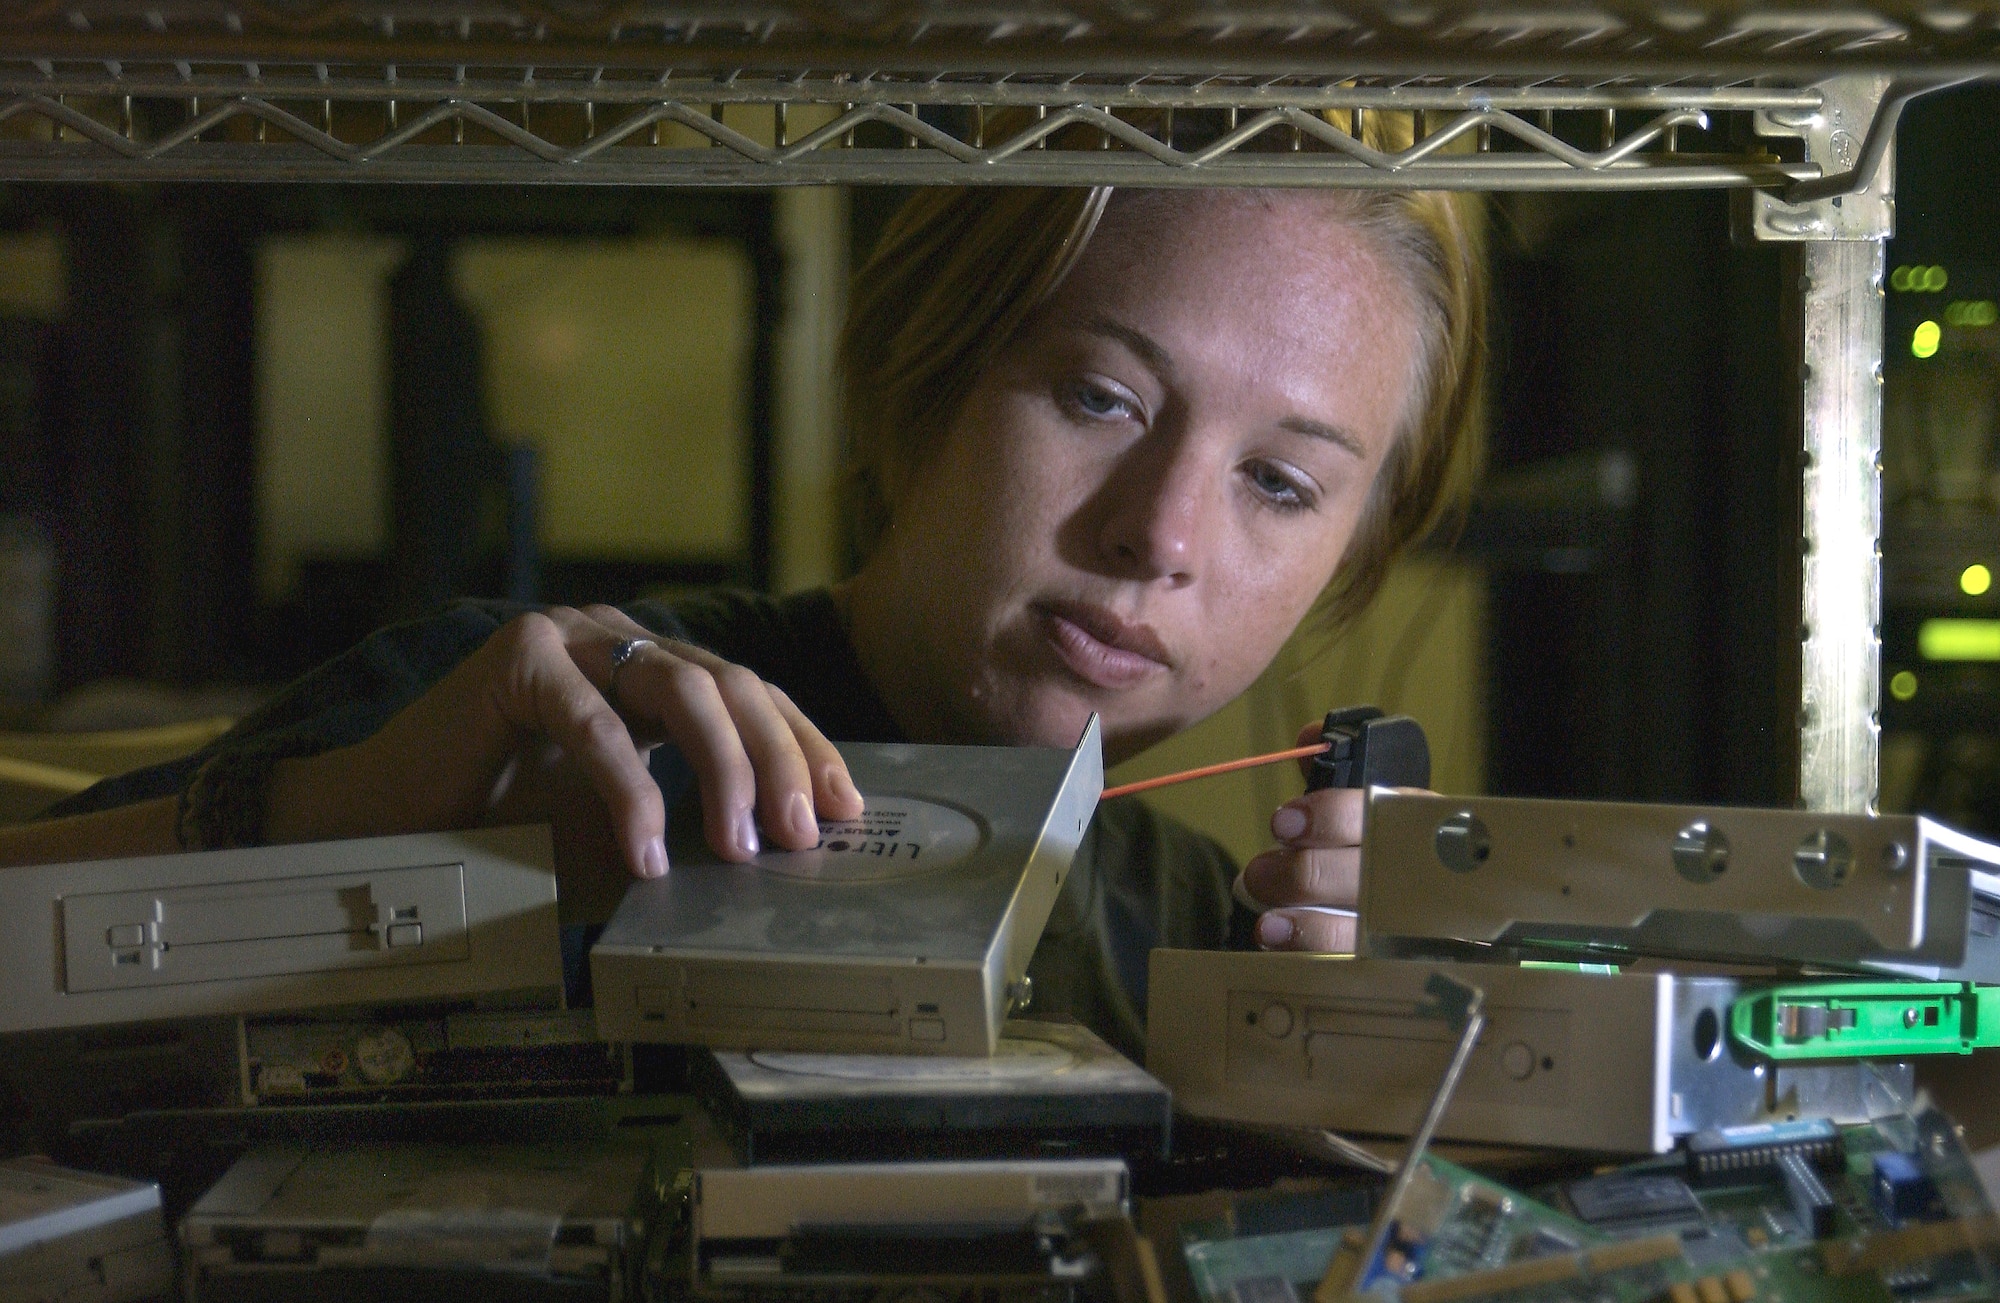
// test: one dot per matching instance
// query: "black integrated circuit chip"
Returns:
(1277, 1214)
(1628, 1199)
(1726, 1155)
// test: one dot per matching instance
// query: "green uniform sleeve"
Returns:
(1140, 880)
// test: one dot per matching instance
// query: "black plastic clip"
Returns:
(1369, 749)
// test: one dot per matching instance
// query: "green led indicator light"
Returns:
(1959, 640)
(1902, 685)
(1975, 580)
(1918, 280)
(1924, 343)
(1974, 313)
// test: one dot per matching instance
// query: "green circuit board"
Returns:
(1470, 1223)
(1647, 1233)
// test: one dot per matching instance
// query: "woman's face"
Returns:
(1142, 497)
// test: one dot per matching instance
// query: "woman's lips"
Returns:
(1101, 648)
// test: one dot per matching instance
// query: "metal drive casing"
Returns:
(1982, 941)
(282, 927)
(78, 1237)
(907, 931)
(1613, 1062)
(754, 1203)
(1050, 1090)
(425, 1054)
(1690, 882)
(849, 1225)
(558, 1221)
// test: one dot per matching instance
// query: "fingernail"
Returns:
(653, 859)
(799, 814)
(1288, 822)
(746, 832)
(1274, 930)
(845, 784)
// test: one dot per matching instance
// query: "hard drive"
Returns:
(54, 1080)
(482, 1223)
(987, 1222)
(187, 1151)
(379, 919)
(1569, 1059)
(1049, 1090)
(1785, 887)
(427, 1054)
(907, 931)
(77, 1237)
(752, 1203)
(511, 1045)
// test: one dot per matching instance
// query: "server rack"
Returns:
(1789, 103)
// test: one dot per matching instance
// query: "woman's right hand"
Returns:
(489, 740)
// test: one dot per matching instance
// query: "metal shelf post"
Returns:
(1840, 590)
(1839, 340)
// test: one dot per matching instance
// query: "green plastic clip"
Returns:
(1863, 1020)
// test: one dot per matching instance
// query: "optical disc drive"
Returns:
(906, 931)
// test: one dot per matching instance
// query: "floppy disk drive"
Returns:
(377, 919)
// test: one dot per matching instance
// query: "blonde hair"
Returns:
(957, 272)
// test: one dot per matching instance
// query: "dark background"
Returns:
(1639, 522)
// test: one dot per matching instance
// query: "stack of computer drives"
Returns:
(340, 1070)
(349, 1070)
(871, 1114)
(1650, 973)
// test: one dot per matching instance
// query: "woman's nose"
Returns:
(1162, 504)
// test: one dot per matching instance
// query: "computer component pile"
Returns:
(357, 1070)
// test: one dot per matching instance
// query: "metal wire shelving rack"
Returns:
(1263, 93)
(1792, 102)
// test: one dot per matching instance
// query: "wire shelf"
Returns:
(1554, 96)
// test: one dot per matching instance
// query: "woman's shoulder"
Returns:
(1133, 839)
(798, 642)
(739, 624)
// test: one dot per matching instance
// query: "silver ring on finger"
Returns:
(621, 656)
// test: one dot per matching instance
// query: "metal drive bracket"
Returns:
(1851, 136)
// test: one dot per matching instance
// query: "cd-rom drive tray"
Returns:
(415, 917)
(722, 999)
(903, 931)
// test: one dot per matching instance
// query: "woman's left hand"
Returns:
(1314, 871)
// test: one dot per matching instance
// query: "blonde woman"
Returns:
(1110, 450)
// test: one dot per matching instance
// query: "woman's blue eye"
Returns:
(1095, 400)
(1277, 487)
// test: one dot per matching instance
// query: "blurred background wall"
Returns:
(240, 426)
